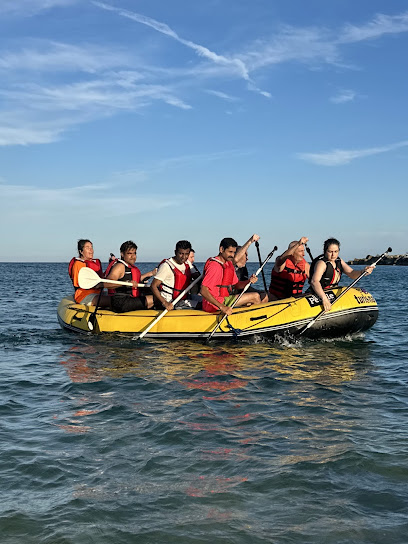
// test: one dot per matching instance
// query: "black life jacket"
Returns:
(132, 273)
(327, 281)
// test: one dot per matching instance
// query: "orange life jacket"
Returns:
(95, 264)
(290, 281)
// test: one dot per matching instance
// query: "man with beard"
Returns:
(220, 278)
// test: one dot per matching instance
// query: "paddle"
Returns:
(247, 286)
(164, 312)
(364, 273)
(308, 251)
(88, 278)
(260, 262)
(92, 318)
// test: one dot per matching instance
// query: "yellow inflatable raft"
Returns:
(354, 312)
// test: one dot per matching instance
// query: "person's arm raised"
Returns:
(280, 261)
(243, 249)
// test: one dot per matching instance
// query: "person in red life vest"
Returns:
(240, 260)
(220, 279)
(126, 298)
(290, 271)
(90, 297)
(326, 271)
(175, 275)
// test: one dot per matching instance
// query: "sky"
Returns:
(159, 120)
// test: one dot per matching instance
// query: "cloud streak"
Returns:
(31, 7)
(338, 157)
(19, 201)
(234, 63)
(344, 96)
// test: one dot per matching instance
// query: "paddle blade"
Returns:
(88, 278)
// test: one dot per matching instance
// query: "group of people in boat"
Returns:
(224, 277)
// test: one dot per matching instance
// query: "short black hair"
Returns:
(183, 244)
(329, 242)
(81, 244)
(127, 245)
(228, 242)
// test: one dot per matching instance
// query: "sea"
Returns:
(108, 441)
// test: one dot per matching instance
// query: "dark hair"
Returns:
(228, 242)
(81, 244)
(127, 245)
(192, 250)
(183, 244)
(329, 242)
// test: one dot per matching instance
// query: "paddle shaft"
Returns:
(363, 273)
(308, 251)
(247, 286)
(92, 317)
(260, 262)
(164, 312)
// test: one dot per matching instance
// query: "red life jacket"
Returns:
(181, 280)
(290, 281)
(107, 271)
(132, 273)
(228, 271)
(95, 264)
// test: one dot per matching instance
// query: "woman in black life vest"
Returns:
(326, 271)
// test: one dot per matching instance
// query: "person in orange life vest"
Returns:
(326, 271)
(173, 276)
(290, 271)
(220, 278)
(240, 260)
(126, 298)
(86, 258)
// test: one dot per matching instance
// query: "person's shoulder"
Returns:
(78, 264)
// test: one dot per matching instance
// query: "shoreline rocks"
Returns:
(400, 260)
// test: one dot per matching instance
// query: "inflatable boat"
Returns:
(355, 311)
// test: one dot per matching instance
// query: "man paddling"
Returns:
(220, 278)
(175, 275)
(290, 271)
(128, 299)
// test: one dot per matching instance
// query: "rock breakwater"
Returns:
(401, 260)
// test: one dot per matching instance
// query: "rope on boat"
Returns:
(235, 332)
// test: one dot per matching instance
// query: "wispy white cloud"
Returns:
(338, 157)
(31, 7)
(50, 56)
(376, 28)
(343, 96)
(37, 112)
(222, 95)
(235, 64)
(31, 201)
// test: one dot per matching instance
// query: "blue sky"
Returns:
(159, 120)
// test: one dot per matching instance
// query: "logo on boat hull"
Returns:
(365, 299)
(314, 300)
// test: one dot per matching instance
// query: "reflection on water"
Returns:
(198, 366)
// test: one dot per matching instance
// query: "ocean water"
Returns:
(107, 441)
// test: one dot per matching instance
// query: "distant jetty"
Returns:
(401, 260)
